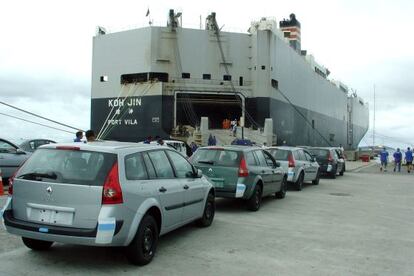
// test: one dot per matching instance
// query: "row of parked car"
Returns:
(126, 194)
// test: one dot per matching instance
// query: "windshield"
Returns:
(279, 154)
(319, 153)
(68, 166)
(217, 157)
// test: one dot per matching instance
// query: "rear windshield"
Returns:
(321, 153)
(68, 166)
(279, 154)
(217, 157)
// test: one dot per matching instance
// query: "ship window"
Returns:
(206, 76)
(331, 137)
(241, 81)
(155, 76)
(275, 84)
(263, 67)
(227, 77)
(133, 78)
(185, 75)
(313, 123)
(104, 78)
(286, 34)
(255, 68)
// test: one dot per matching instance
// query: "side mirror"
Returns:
(19, 151)
(199, 173)
(277, 164)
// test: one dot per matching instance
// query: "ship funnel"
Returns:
(291, 30)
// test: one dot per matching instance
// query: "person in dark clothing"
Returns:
(397, 160)
(384, 159)
(193, 147)
(210, 140)
(90, 135)
(79, 136)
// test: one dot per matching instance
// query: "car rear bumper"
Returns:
(60, 234)
(239, 191)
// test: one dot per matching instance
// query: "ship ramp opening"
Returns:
(190, 107)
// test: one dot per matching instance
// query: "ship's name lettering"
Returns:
(123, 102)
(127, 122)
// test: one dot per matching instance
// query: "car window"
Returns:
(134, 167)
(182, 167)
(269, 159)
(6, 147)
(250, 159)
(70, 166)
(150, 167)
(217, 157)
(335, 154)
(32, 145)
(308, 156)
(321, 153)
(301, 155)
(261, 158)
(279, 154)
(161, 163)
(296, 155)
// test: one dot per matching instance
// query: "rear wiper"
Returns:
(206, 162)
(34, 175)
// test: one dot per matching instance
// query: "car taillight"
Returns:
(243, 171)
(291, 161)
(112, 193)
(330, 159)
(11, 179)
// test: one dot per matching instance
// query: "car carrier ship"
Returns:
(152, 80)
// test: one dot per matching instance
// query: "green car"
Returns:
(249, 173)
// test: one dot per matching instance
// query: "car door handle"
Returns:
(186, 187)
(162, 190)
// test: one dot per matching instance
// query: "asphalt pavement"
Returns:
(358, 224)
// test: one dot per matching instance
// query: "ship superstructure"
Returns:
(151, 80)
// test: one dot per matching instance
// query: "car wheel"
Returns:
(299, 182)
(37, 245)
(333, 173)
(208, 214)
(253, 203)
(316, 180)
(283, 188)
(142, 248)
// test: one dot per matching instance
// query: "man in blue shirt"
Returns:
(384, 159)
(79, 136)
(397, 160)
(409, 159)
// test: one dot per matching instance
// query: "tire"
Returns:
(283, 188)
(142, 248)
(208, 213)
(316, 180)
(299, 182)
(37, 245)
(333, 173)
(341, 173)
(253, 204)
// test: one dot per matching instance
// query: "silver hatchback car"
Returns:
(106, 194)
(299, 163)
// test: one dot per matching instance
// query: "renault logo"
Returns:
(49, 190)
(210, 170)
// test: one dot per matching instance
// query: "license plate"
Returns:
(51, 216)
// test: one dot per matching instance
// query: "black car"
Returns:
(329, 161)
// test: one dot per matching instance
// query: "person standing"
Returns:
(79, 136)
(409, 159)
(384, 159)
(90, 135)
(397, 160)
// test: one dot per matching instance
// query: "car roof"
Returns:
(102, 146)
(285, 148)
(233, 147)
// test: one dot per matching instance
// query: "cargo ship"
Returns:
(153, 80)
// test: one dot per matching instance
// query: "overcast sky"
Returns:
(46, 53)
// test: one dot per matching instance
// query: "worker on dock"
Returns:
(384, 159)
